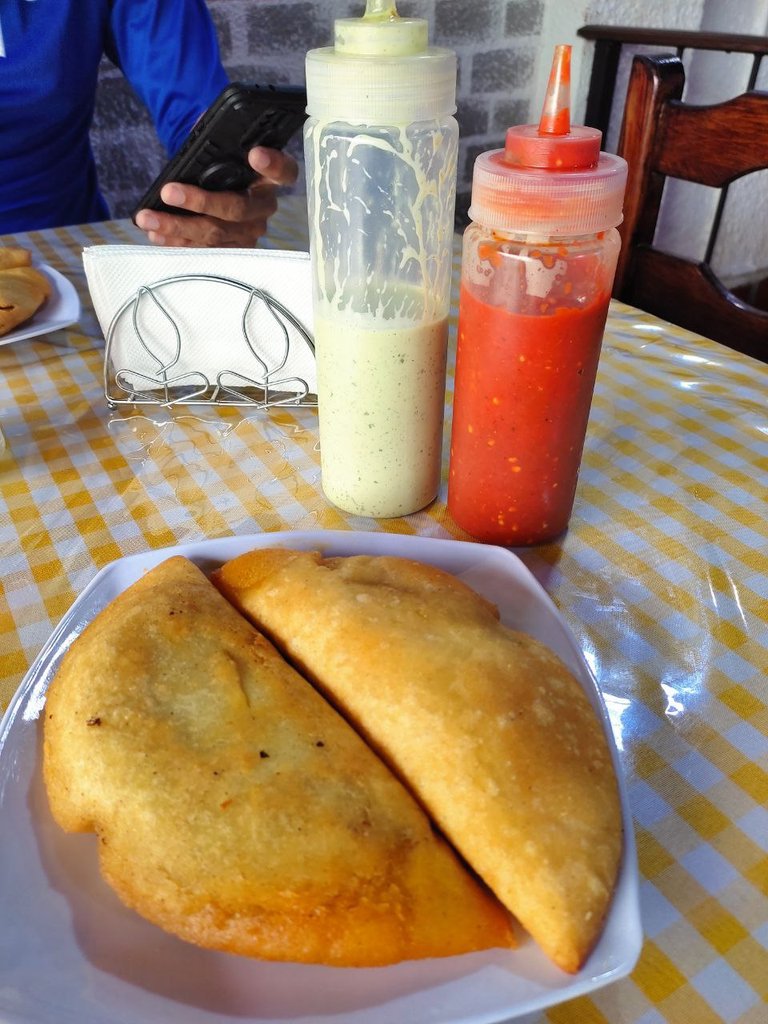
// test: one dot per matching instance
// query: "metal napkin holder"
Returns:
(263, 389)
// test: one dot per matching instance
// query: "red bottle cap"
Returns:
(553, 143)
(551, 178)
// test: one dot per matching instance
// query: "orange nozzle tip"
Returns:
(556, 112)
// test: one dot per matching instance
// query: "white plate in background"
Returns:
(61, 309)
(71, 953)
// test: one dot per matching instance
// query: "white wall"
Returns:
(687, 210)
(562, 19)
(741, 252)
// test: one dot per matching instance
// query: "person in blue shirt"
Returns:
(50, 51)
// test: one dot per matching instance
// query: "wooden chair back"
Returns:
(713, 145)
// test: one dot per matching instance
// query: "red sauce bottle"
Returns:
(538, 265)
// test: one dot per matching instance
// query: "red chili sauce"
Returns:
(522, 397)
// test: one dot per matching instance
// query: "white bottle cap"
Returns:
(381, 71)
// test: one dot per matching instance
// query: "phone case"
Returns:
(214, 155)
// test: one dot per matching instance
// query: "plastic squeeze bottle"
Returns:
(381, 146)
(538, 264)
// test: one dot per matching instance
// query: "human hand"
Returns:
(224, 219)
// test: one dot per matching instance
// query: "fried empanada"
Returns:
(14, 256)
(23, 290)
(489, 729)
(234, 807)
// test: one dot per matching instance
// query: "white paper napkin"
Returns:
(199, 325)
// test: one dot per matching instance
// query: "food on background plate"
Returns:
(14, 256)
(23, 289)
(491, 731)
(233, 806)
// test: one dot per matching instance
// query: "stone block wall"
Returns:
(265, 40)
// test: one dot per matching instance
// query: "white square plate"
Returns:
(61, 309)
(71, 953)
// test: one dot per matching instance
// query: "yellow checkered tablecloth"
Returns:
(661, 576)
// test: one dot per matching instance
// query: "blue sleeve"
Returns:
(169, 52)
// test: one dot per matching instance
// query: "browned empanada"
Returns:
(234, 807)
(14, 256)
(23, 290)
(490, 730)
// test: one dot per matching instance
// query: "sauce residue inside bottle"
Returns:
(381, 146)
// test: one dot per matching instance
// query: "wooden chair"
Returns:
(713, 145)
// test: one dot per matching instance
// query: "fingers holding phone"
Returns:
(226, 173)
(223, 219)
(273, 165)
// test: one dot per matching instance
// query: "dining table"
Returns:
(661, 578)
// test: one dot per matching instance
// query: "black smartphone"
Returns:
(214, 155)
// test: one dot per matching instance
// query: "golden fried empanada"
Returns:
(23, 290)
(234, 807)
(489, 729)
(14, 256)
